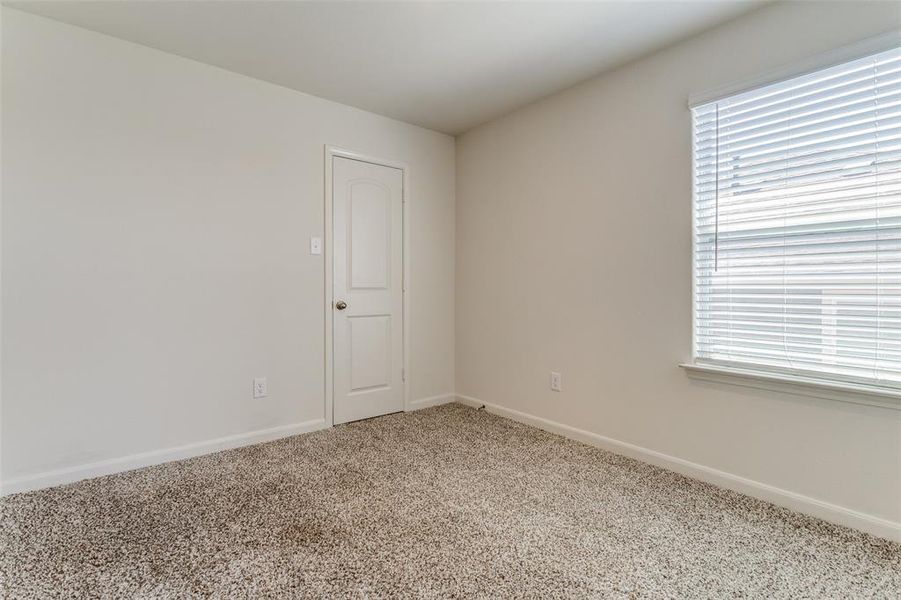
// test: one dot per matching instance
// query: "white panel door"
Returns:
(368, 289)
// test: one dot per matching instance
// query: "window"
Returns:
(797, 225)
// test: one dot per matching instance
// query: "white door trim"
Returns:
(331, 152)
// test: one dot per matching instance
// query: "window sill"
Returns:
(855, 393)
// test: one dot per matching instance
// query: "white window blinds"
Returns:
(797, 237)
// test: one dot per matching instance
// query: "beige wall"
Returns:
(155, 248)
(573, 254)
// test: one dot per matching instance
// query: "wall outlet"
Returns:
(556, 381)
(315, 245)
(260, 387)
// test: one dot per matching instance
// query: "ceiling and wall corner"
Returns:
(447, 66)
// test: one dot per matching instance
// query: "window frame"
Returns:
(869, 393)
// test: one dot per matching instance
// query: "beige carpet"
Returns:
(444, 502)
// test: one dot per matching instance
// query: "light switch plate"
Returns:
(315, 245)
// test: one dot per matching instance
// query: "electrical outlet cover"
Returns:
(260, 387)
(556, 381)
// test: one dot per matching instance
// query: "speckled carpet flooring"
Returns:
(444, 502)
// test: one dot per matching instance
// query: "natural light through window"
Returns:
(797, 216)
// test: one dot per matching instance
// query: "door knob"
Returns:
(340, 304)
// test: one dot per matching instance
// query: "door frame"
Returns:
(332, 152)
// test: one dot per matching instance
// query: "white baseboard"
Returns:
(803, 504)
(432, 401)
(154, 457)
(469, 401)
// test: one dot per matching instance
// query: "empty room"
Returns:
(424, 299)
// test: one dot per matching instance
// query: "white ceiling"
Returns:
(447, 66)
